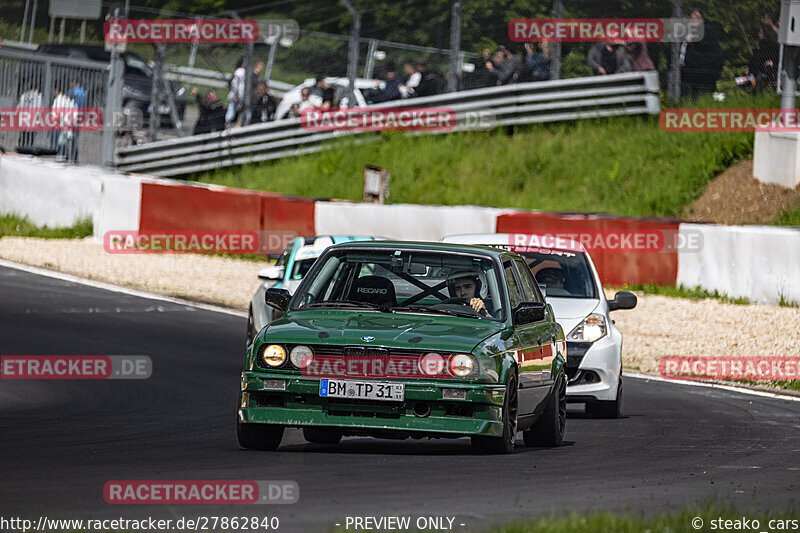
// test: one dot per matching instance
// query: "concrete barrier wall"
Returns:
(49, 193)
(403, 221)
(758, 262)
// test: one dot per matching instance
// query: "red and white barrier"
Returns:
(759, 263)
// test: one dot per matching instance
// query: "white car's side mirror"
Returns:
(271, 272)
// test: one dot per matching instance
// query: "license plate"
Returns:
(363, 390)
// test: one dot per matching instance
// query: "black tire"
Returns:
(265, 437)
(322, 436)
(549, 429)
(483, 444)
(607, 409)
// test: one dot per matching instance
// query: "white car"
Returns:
(573, 289)
(288, 271)
(365, 93)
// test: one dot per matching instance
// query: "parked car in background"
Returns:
(403, 339)
(366, 93)
(288, 271)
(138, 79)
(573, 288)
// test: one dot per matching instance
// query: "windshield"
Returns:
(301, 268)
(566, 274)
(399, 281)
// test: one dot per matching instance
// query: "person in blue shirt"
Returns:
(78, 96)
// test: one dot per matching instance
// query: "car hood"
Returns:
(401, 330)
(570, 311)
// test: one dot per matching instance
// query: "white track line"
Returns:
(117, 288)
(732, 388)
(217, 309)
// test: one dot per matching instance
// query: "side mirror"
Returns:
(277, 298)
(622, 300)
(529, 312)
(271, 272)
(543, 289)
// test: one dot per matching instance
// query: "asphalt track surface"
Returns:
(60, 441)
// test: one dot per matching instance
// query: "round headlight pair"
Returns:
(433, 364)
(274, 355)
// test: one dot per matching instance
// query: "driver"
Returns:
(467, 284)
(551, 277)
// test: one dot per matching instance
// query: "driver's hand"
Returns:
(478, 305)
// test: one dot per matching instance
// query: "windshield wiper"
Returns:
(350, 303)
(426, 309)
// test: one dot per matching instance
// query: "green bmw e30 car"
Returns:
(403, 339)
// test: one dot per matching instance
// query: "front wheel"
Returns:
(265, 437)
(549, 429)
(251, 328)
(505, 444)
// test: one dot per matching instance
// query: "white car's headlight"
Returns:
(591, 328)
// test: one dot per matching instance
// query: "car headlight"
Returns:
(591, 328)
(273, 355)
(462, 365)
(431, 364)
(301, 356)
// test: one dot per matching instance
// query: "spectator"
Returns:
(389, 89)
(78, 96)
(508, 71)
(538, 61)
(264, 105)
(701, 61)
(328, 94)
(493, 66)
(484, 76)
(61, 138)
(607, 58)
(30, 98)
(413, 78)
(638, 57)
(211, 113)
(304, 103)
(236, 94)
(762, 68)
(430, 82)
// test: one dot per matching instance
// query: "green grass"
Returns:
(14, 226)
(681, 291)
(623, 165)
(789, 217)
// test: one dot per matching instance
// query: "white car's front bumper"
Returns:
(598, 369)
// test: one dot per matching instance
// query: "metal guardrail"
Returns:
(523, 103)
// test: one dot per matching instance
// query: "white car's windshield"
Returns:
(403, 281)
(566, 274)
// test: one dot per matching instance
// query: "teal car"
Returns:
(403, 339)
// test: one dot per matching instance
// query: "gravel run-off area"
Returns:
(659, 326)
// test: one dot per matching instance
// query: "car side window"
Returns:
(513, 288)
(530, 289)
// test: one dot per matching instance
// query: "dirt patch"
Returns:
(736, 197)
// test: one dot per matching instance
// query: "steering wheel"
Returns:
(461, 301)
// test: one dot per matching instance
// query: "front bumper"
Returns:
(300, 405)
(593, 370)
